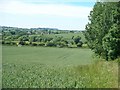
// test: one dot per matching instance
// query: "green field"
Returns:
(46, 55)
(44, 67)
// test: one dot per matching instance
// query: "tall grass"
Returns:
(101, 74)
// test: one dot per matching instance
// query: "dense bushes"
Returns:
(7, 42)
(31, 37)
(50, 44)
(41, 44)
(45, 41)
(79, 44)
(61, 44)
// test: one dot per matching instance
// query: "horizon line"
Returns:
(43, 27)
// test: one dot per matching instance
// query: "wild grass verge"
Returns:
(101, 74)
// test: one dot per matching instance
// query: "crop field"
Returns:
(45, 67)
(46, 55)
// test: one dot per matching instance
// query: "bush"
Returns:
(61, 44)
(21, 43)
(3, 42)
(41, 44)
(71, 46)
(50, 44)
(77, 39)
(7, 42)
(84, 46)
(79, 44)
(13, 43)
(27, 43)
(34, 44)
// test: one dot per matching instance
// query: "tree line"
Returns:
(103, 30)
(36, 37)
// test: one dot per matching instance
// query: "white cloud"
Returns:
(17, 7)
(26, 13)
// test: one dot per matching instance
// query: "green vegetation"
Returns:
(46, 55)
(103, 30)
(0, 66)
(52, 58)
(44, 67)
(39, 37)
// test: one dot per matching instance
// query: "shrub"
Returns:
(34, 44)
(77, 39)
(3, 42)
(13, 43)
(84, 46)
(79, 44)
(7, 42)
(61, 44)
(51, 44)
(41, 44)
(21, 43)
(72, 46)
(27, 43)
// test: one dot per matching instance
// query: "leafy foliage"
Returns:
(44, 37)
(103, 30)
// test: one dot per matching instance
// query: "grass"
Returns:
(44, 67)
(46, 55)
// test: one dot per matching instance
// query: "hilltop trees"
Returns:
(103, 30)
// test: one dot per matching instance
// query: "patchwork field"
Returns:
(44, 67)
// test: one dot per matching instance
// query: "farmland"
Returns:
(80, 56)
(46, 55)
(45, 67)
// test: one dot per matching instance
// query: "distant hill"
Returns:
(39, 28)
(44, 29)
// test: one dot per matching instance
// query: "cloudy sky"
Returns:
(61, 14)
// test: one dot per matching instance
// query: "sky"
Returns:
(61, 14)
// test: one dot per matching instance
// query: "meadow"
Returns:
(48, 67)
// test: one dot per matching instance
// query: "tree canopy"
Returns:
(103, 30)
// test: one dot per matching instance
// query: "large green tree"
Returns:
(103, 30)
